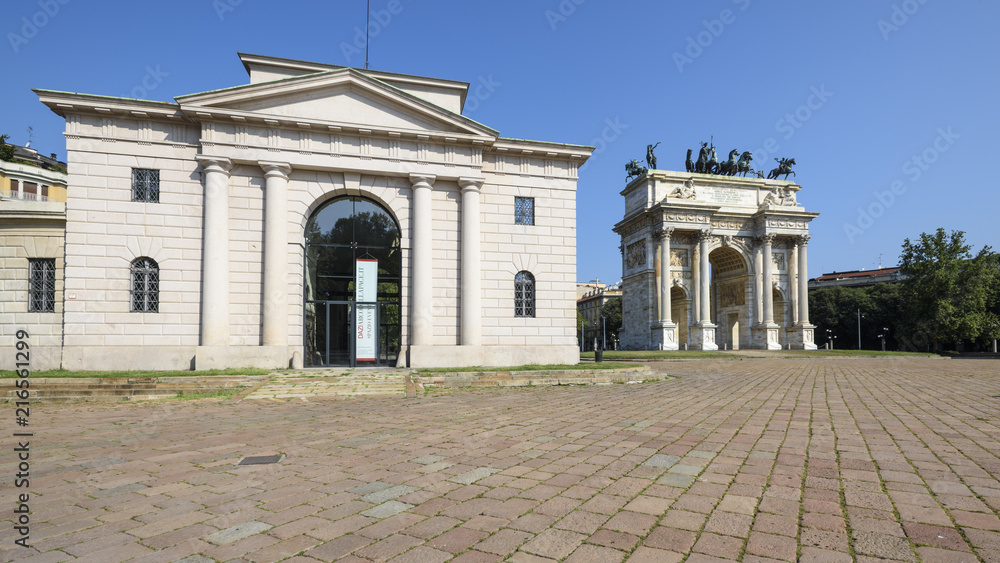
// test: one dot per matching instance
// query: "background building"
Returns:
(32, 231)
(232, 227)
(590, 305)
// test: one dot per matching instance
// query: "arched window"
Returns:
(524, 295)
(145, 286)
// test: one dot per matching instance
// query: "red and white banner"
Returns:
(366, 290)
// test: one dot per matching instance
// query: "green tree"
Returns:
(612, 312)
(6, 151)
(950, 294)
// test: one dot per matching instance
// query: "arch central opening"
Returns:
(338, 235)
(730, 291)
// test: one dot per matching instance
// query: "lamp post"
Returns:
(829, 339)
(859, 328)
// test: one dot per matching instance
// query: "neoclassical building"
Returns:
(714, 262)
(319, 215)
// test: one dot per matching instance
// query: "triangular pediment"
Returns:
(344, 97)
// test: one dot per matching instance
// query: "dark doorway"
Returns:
(337, 235)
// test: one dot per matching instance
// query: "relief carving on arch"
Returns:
(635, 254)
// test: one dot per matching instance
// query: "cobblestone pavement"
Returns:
(758, 460)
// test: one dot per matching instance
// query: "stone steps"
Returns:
(542, 377)
(333, 383)
(121, 389)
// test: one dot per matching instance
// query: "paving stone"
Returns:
(238, 532)
(884, 546)
(661, 460)
(470, 477)
(387, 509)
(429, 459)
(378, 497)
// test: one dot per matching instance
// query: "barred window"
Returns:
(524, 295)
(145, 185)
(524, 211)
(145, 286)
(42, 285)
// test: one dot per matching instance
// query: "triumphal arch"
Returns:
(714, 262)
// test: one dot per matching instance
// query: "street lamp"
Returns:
(859, 328)
(885, 333)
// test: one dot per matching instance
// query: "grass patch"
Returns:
(695, 354)
(855, 353)
(221, 394)
(536, 367)
(655, 354)
(62, 373)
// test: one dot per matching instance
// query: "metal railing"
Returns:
(7, 194)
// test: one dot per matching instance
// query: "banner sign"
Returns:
(366, 290)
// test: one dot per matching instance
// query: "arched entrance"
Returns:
(338, 235)
(730, 277)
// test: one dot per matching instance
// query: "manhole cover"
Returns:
(261, 459)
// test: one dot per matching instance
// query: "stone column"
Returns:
(471, 306)
(422, 276)
(765, 334)
(702, 334)
(803, 265)
(768, 282)
(275, 292)
(758, 278)
(664, 331)
(793, 270)
(665, 279)
(215, 253)
(704, 277)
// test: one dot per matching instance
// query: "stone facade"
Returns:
(713, 262)
(242, 171)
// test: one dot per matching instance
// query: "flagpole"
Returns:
(368, 12)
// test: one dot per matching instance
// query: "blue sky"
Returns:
(889, 107)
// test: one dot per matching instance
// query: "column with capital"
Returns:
(471, 305)
(703, 332)
(664, 330)
(275, 291)
(422, 274)
(765, 334)
(215, 252)
(802, 335)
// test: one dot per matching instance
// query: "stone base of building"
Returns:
(663, 336)
(702, 336)
(42, 358)
(802, 337)
(766, 336)
(172, 358)
(489, 356)
(221, 357)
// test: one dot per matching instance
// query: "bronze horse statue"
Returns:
(743, 165)
(689, 164)
(634, 169)
(701, 166)
(784, 167)
(729, 167)
(713, 163)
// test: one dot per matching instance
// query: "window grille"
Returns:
(524, 295)
(42, 285)
(145, 286)
(145, 185)
(524, 211)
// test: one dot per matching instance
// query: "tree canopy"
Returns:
(950, 294)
